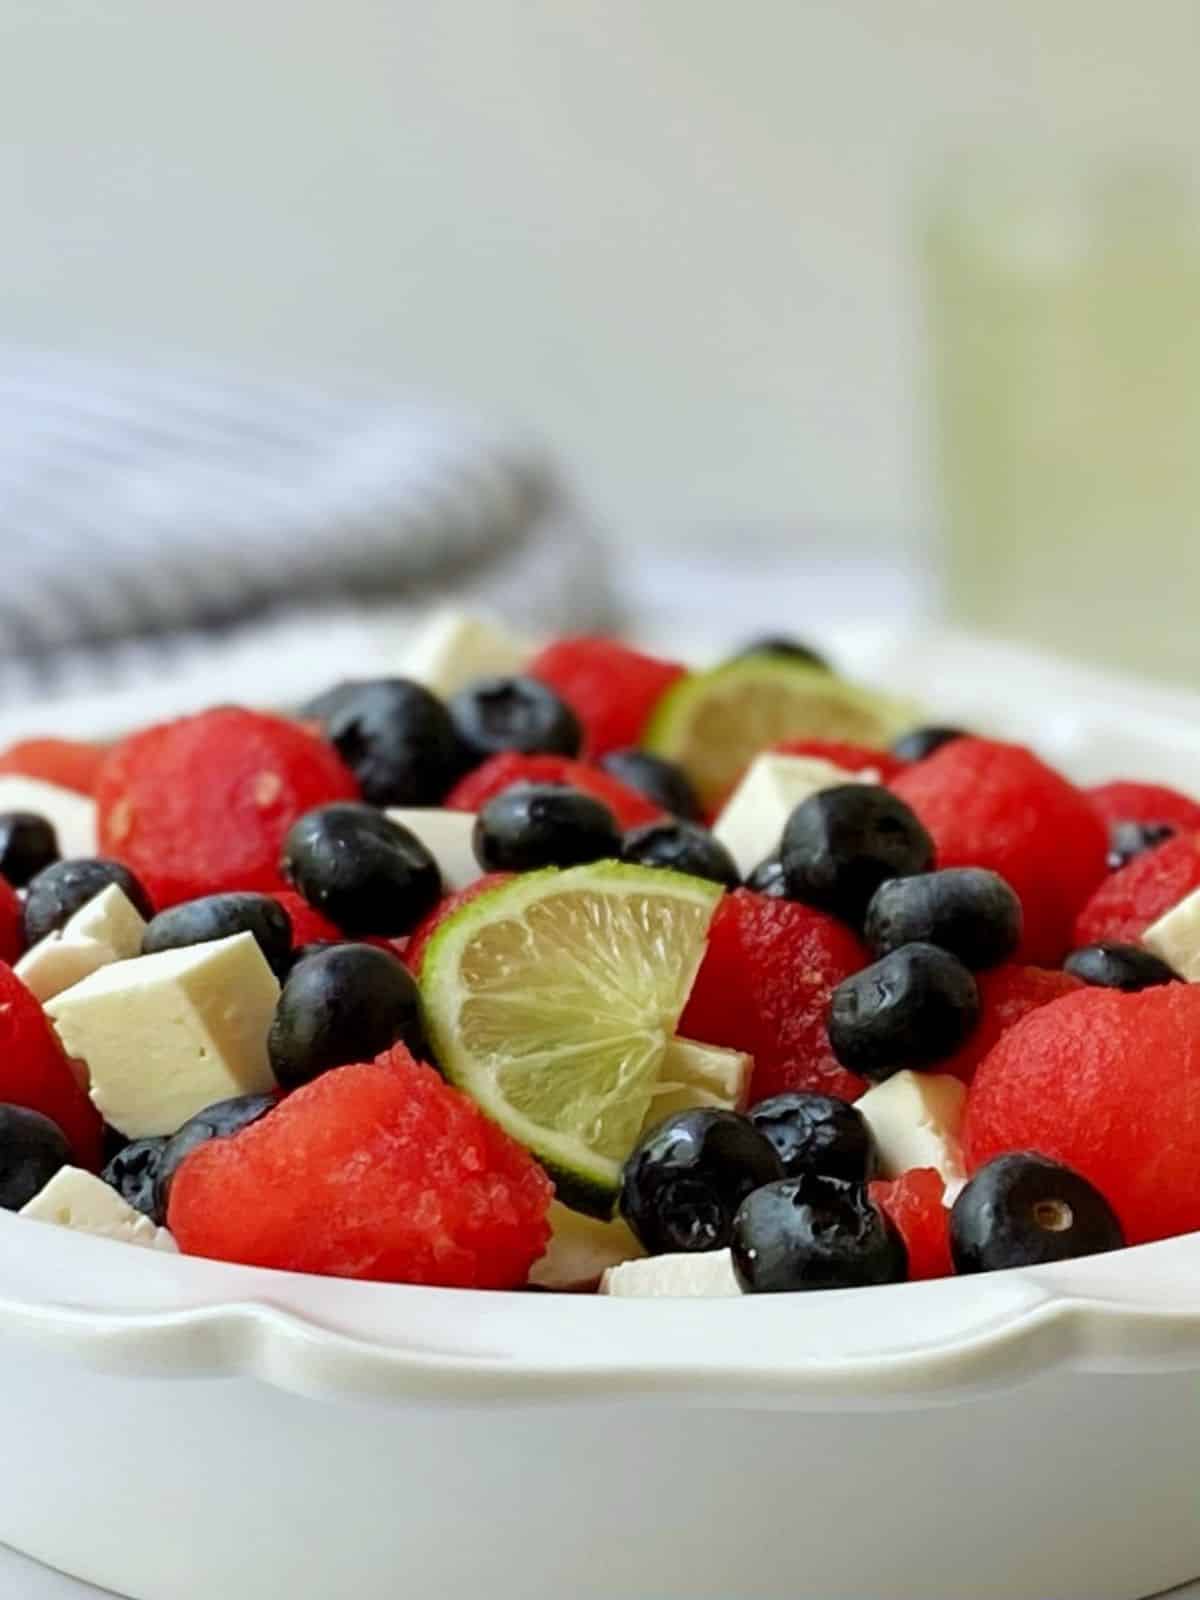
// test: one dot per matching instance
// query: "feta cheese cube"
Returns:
(447, 836)
(699, 1075)
(167, 1034)
(707, 1274)
(111, 918)
(79, 1200)
(751, 824)
(1175, 937)
(56, 963)
(916, 1118)
(72, 815)
(454, 648)
(108, 928)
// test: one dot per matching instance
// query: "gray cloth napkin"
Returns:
(143, 512)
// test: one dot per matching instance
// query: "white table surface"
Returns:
(31, 1582)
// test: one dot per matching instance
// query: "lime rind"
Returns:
(552, 999)
(714, 723)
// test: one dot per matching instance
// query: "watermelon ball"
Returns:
(361, 870)
(12, 923)
(841, 843)
(32, 1151)
(764, 986)
(612, 689)
(921, 743)
(344, 1003)
(1140, 816)
(1119, 966)
(663, 783)
(1128, 901)
(202, 804)
(536, 825)
(35, 1072)
(1006, 994)
(683, 1183)
(681, 847)
(911, 1009)
(1126, 801)
(28, 844)
(497, 714)
(1020, 1210)
(997, 806)
(64, 887)
(817, 1133)
(395, 736)
(377, 1171)
(220, 916)
(69, 763)
(502, 772)
(1108, 1084)
(968, 911)
(915, 1202)
(815, 1232)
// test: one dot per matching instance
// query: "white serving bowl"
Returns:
(181, 1430)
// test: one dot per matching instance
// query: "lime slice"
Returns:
(714, 723)
(552, 999)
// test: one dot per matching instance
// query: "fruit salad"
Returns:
(596, 972)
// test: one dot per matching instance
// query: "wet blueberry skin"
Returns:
(683, 1184)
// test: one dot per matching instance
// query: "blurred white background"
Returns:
(673, 236)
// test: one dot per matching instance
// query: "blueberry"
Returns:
(219, 1121)
(498, 714)
(921, 742)
(967, 910)
(32, 1150)
(1119, 966)
(58, 892)
(780, 644)
(682, 847)
(1023, 1210)
(396, 737)
(544, 825)
(767, 878)
(361, 870)
(133, 1173)
(683, 1184)
(840, 844)
(347, 1003)
(911, 1009)
(28, 844)
(217, 916)
(815, 1232)
(1129, 839)
(662, 782)
(817, 1133)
